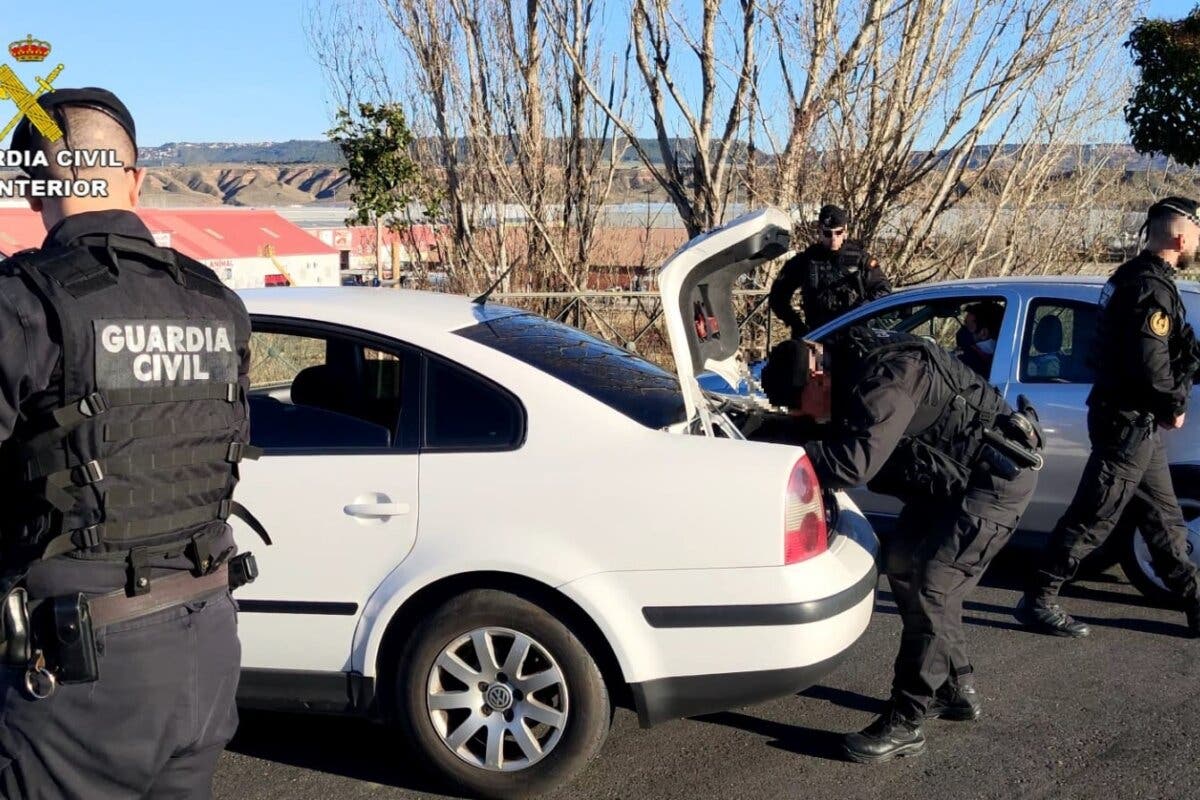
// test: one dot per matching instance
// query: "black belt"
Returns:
(114, 607)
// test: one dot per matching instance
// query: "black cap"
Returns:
(87, 97)
(1182, 206)
(832, 216)
(785, 374)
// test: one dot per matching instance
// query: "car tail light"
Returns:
(804, 531)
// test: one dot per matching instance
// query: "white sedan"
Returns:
(491, 528)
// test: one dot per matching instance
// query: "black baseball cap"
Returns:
(832, 216)
(87, 97)
(1182, 206)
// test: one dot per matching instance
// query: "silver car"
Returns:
(1042, 352)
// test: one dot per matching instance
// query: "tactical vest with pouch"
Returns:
(940, 447)
(137, 458)
(836, 283)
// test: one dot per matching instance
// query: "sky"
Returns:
(189, 70)
(206, 70)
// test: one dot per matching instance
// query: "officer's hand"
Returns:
(1176, 425)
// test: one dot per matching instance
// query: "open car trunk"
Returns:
(697, 285)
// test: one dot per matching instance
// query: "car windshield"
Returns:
(619, 379)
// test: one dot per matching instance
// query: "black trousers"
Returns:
(152, 726)
(939, 551)
(1126, 472)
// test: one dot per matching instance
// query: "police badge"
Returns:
(1160, 323)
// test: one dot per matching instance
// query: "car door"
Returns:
(337, 415)
(1052, 369)
(1057, 379)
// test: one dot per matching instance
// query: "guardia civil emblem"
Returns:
(1160, 324)
(29, 51)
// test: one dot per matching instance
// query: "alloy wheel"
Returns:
(498, 699)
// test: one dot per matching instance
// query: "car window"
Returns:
(1056, 341)
(464, 411)
(621, 380)
(940, 320)
(1191, 301)
(311, 390)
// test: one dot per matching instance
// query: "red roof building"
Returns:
(230, 233)
(202, 234)
(245, 247)
(20, 229)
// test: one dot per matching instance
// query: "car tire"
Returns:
(438, 708)
(1135, 557)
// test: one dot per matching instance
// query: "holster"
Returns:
(17, 647)
(63, 631)
(1131, 431)
(1006, 457)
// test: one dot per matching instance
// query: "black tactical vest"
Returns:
(835, 284)
(138, 455)
(940, 447)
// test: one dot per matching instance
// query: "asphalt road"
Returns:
(1114, 716)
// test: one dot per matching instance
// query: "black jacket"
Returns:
(1141, 341)
(831, 283)
(909, 420)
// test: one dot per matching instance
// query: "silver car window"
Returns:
(937, 320)
(1056, 342)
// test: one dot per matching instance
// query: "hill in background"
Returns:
(303, 172)
(296, 151)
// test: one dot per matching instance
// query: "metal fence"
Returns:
(634, 320)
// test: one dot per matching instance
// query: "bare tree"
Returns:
(693, 170)
(817, 45)
(951, 129)
(942, 91)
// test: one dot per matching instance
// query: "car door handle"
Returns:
(377, 510)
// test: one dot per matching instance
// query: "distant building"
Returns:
(244, 247)
(624, 258)
(401, 252)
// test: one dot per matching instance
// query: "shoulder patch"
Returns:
(1159, 323)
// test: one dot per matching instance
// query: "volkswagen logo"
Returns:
(499, 697)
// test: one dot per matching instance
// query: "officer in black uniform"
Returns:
(833, 275)
(914, 422)
(123, 375)
(1144, 358)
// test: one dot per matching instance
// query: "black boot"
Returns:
(957, 702)
(1193, 621)
(890, 736)
(1046, 617)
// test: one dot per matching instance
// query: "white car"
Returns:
(490, 528)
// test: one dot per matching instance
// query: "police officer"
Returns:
(123, 373)
(833, 275)
(1143, 355)
(913, 422)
